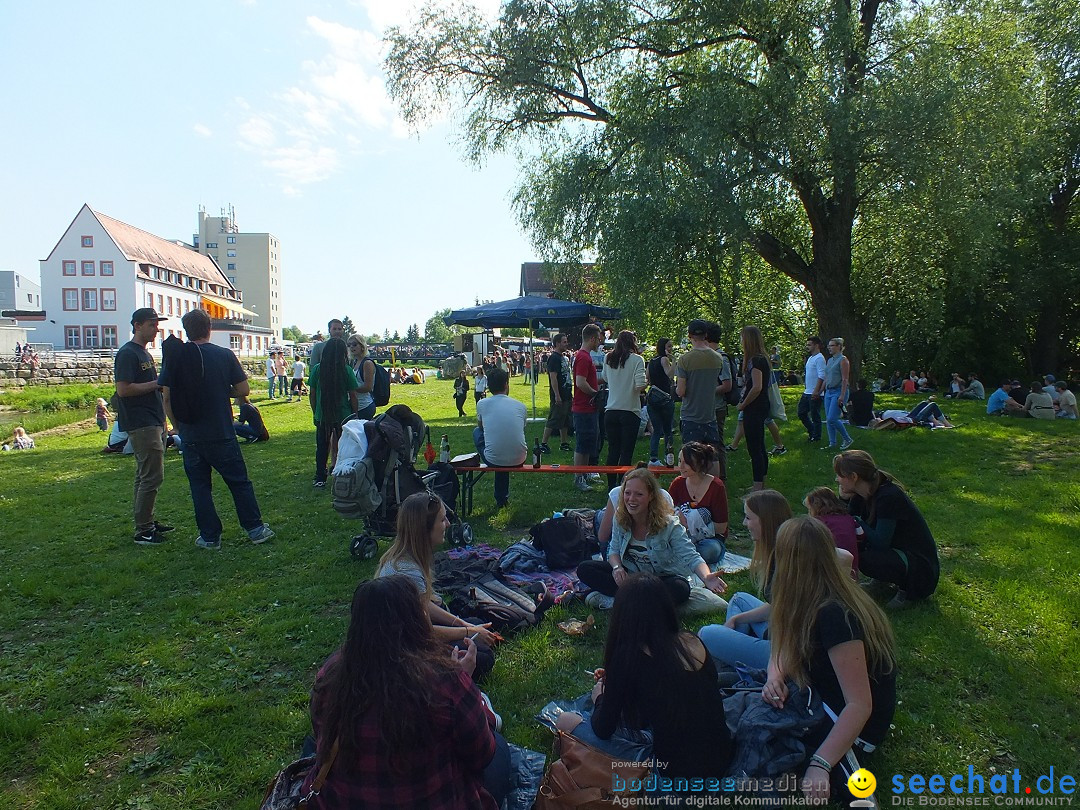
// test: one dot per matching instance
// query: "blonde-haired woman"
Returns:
(837, 371)
(421, 528)
(646, 536)
(744, 636)
(364, 368)
(755, 407)
(829, 635)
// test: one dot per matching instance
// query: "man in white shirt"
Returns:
(298, 376)
(500, 436)
(1066, 403)
(271, 374)
(810, 402)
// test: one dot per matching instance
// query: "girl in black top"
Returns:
(461, 391)
(896, 546)
(755, 407)
(828, 634)
(659, 403)
(657, 677)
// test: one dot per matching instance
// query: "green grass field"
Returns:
(177, 678)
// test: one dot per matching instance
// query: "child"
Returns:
(825, 505)
(22, 441)
(102, 415)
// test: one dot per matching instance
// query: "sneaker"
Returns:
(600, 601)
(261, 534)
(202, 543)
(152, 537)
(845, 445)
(593, 477)
(491, 710)
(669, 459)
(161, 528)
(900, 601)
(566, 447)
(778, 450)
(877, 589)
(655, 463)
(829, 448)
(581, 484)
(544, 448)
(319, 484)
(728, 448)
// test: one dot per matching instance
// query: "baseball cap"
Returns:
(1050, 378)
(698, 326)
(145, 314)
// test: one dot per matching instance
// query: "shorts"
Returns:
(587, 433)
(559, 416)
(705, 432)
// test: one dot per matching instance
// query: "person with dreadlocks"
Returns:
(332, 393)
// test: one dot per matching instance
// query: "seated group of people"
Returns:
(406, 376)
(1048, 398)
(399, 718)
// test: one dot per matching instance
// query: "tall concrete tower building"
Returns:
(251, 261)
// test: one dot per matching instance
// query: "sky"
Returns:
(146, 111)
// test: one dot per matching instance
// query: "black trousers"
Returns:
(911, 575)
(622, 430)
(754, 433)
(810, 416)
(599, 575)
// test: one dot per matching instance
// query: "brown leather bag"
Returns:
(581, 776)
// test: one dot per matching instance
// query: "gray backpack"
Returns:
(356, 494)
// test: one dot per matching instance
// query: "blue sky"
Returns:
(147, 110)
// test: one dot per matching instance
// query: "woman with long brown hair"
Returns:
(754, 406)
(624, 372)
(646, 536)
(399, 719)
(828, 634)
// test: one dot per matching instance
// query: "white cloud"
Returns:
(257, 132)
(202, 130)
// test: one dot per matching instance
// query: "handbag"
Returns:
(283, 792)
(582, 776)
(776, 404)
(657, 397)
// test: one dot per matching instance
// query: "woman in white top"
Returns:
(624, 373)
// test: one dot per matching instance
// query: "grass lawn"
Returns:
(174, 678)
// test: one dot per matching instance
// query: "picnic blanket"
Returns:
(558, 582)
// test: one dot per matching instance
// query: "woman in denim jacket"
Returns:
(646, 536)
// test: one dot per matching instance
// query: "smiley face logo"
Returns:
(861, 783)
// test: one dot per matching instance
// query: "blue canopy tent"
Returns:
(530, 312)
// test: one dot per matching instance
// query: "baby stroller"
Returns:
(375, 472)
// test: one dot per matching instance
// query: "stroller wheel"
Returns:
(363, 547)
(466, 534)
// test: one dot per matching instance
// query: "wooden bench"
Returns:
(470, 474)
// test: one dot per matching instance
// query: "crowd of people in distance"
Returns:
(1047, 398)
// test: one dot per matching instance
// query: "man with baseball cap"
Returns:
(142, 416)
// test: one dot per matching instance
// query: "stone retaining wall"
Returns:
(63, 372)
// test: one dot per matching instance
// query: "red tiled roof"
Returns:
(534, 279)
(145, 248)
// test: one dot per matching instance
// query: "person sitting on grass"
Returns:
(743, 637)
(701, 501)
(398, 722)
(646, 536)
(897, 549)
(974, 388)
(829, 635)
(1066, 404)
(825, 505)
(421, 528)
(1001, 401)
(657, 677)
(1038, 404)
(21, 440)
(249, 423)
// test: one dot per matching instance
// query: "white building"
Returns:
(103, 269)
(17, 292)
(251, 261)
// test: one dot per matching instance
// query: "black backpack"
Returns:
(734, 395)
(565, 540)
(380, 386)
(507, 607)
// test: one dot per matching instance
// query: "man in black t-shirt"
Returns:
(140, 414)
(209, 439)
(560, 394)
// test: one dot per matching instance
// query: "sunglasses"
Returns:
(353, 344)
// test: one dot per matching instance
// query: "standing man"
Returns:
(279, 370)
(560, 393)
(810, 401)
(298, 377)
(337, 330)
(586, 419)
(699, 369)
(271, 373)
(500, 434)
(141, 415)
(209, 439)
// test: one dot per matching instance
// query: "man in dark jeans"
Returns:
(810, 401)
(209, 439)
(140, 414)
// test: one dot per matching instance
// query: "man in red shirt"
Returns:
(586, 420)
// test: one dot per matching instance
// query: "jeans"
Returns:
(270, 385)
(245, 431)
(743, 644)
(148, 445)
(925, 413)
(663, 422)
(497, 773)
(711, 550)
(622, 431)
(832, 416)
(810, 416)
(502, 479)
(281, 385)
(754, 433)
(586, 434)
(367, 412)
(224, 456)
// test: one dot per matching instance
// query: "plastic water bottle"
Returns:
(556, 515)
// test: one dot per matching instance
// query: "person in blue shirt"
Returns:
(998, 403)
